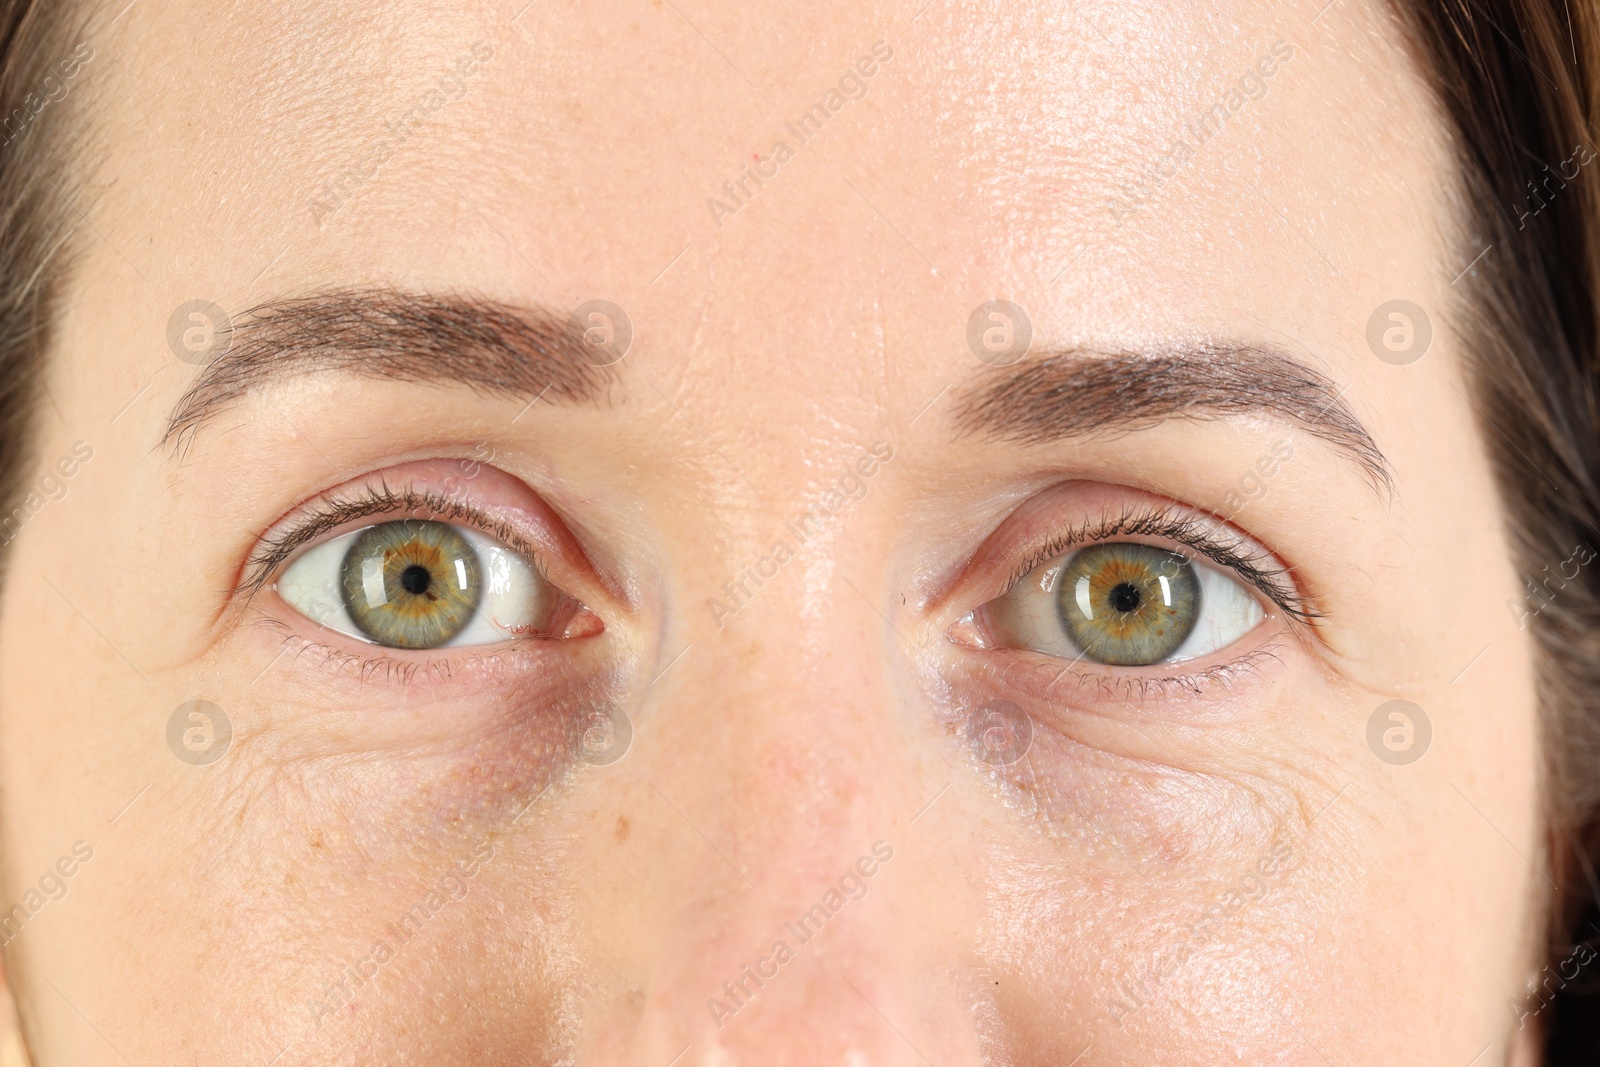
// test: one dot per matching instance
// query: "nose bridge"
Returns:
(789, 759)
(795, 706)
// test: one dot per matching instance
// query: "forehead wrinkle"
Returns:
(278, 90)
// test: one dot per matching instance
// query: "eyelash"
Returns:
(1143, 687)
(383, 665)
(334, 512)
(1233, 554)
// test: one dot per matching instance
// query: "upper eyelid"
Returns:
(323, 515)
(1182, 529)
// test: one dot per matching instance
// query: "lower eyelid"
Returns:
(1111, 753)
(1038, 678)
(449, 667)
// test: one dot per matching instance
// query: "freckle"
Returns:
(622, 828)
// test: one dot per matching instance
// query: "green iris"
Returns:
(411, 583)
(1128, 604)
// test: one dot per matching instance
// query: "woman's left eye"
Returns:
(1124, 603)
(418, 583)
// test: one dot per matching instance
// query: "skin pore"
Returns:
(1190, 863)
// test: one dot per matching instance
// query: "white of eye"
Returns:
(1026, 617)
(1228, 611)
(515, 598)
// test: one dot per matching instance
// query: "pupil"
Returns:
(415, 579)
(1125, 597)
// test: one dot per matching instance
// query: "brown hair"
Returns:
(37, 218)
(37, 222)
(1514, 81)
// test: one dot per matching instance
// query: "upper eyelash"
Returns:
(336, 511)
(1253, 567)
(1186, 530)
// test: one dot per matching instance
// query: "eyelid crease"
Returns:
(336, 511)
(1191, 531)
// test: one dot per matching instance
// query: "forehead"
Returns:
(766, 175)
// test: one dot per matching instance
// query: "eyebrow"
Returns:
(1085, 392)
(394, 335)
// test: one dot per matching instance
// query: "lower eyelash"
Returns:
(339, 660)
(1141, 688)
(1251, 565)
(388, 669)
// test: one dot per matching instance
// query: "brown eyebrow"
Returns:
(491, 347)
(1082, 392)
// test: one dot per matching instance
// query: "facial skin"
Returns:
(1195, 863)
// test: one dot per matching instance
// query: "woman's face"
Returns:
(803, 659)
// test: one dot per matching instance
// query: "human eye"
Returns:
(1095, 640)
(419, 583)
(1125, 603)
(414, 569)
(1146, 589)
(442, 584)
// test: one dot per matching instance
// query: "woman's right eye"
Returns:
(418, 584)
